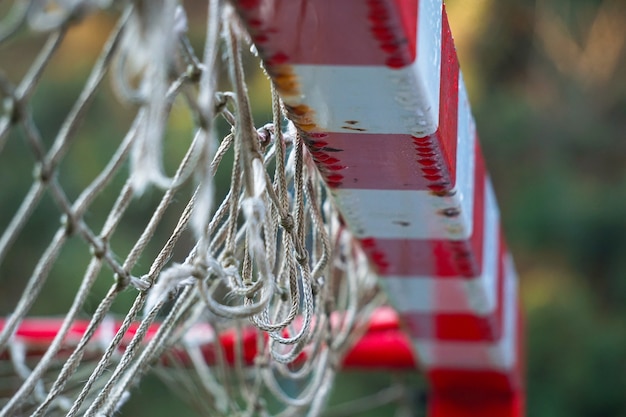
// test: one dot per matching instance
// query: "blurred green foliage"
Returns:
(547, 81)
(549, 96)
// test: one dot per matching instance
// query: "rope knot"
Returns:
(301, 255)
(287, 223)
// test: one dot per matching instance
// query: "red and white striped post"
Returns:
(375, 88)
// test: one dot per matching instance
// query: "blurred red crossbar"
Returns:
(383, 345)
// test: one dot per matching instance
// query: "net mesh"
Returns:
(269, 267)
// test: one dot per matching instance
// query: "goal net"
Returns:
(269, 267)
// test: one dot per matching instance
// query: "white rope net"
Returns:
(272, 256)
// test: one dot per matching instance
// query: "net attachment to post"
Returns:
(368, 173)
(376, 90)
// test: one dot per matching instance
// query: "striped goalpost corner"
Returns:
(359, 228)
(376, 90)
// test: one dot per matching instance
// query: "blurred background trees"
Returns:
(547, 82)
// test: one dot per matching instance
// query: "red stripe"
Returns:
(331, 32)
(475, 404)
(368, 161)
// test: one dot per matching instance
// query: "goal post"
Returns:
(376, 90)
